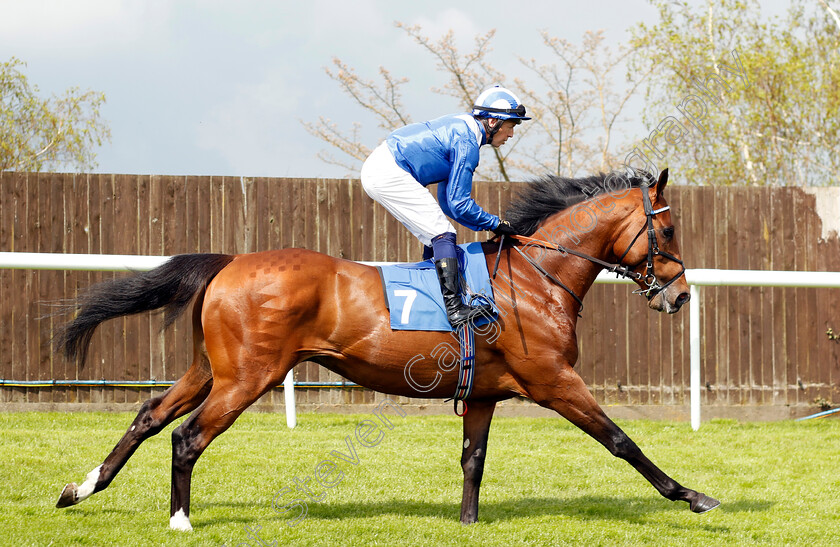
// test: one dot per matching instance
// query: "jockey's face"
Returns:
(505, 131)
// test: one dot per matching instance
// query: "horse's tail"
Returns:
(170, 286)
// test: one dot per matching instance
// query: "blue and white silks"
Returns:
(445, 151)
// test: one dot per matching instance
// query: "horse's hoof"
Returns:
(704, 504)
(68, 496)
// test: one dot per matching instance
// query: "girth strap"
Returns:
(466, 366)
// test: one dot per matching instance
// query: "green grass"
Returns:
(545, 483)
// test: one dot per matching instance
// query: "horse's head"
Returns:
(648, 245)
(636, 238)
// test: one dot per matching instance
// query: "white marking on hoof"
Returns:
(181, 522)
(87, 487)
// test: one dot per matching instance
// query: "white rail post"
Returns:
(694, 343)
(289, 394)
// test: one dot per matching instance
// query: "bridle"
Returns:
(653, 287)
(648, 278)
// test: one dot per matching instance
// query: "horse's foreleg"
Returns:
(476, 430)
(155, 414)
(572, 400)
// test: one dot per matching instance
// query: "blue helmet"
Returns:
(498, 102)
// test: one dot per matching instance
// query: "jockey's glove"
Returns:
(505, 229)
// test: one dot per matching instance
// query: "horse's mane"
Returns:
(540, 198)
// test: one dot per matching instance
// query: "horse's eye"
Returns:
(668, 232)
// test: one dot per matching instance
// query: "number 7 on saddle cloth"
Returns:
(412, 291)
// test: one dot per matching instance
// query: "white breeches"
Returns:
(395, 189)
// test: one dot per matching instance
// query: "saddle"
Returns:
(413, 296)
(412, 291)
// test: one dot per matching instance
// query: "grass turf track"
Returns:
(545, 483)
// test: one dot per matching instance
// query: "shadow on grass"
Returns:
(745, 506)
(594, 508)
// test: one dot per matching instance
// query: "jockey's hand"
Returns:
(505, 229)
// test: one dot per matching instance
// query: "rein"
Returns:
(649, 278)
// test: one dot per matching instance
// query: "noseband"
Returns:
(648, 278)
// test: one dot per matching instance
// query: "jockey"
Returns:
(443, 151)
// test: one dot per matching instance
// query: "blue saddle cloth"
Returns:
(413, 293)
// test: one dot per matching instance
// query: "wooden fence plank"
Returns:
(65, 201)
(112, 330)
(716, 301)
(126, 212)
(752, 220)
(778, 345)
(805, 298)
(771, 391)
(81, 245)
(47, 216)
(142, 352)
(19, 363)
(95, 200)
(7, 288)
(674, 333)
(30, 215)
(67, 187)
(157, 221)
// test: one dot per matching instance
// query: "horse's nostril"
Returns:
(683, 298)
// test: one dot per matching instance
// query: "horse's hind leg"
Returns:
(570, 397)
(155, 414)
(227, 400)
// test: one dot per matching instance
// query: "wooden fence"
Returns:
(761, 346)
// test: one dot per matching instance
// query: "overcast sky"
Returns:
(220, 87)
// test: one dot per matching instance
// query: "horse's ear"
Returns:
(663, 180)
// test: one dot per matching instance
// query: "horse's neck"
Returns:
(594, 239)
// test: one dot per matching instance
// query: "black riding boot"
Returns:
(450, 286)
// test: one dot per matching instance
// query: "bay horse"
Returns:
(255, 316)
